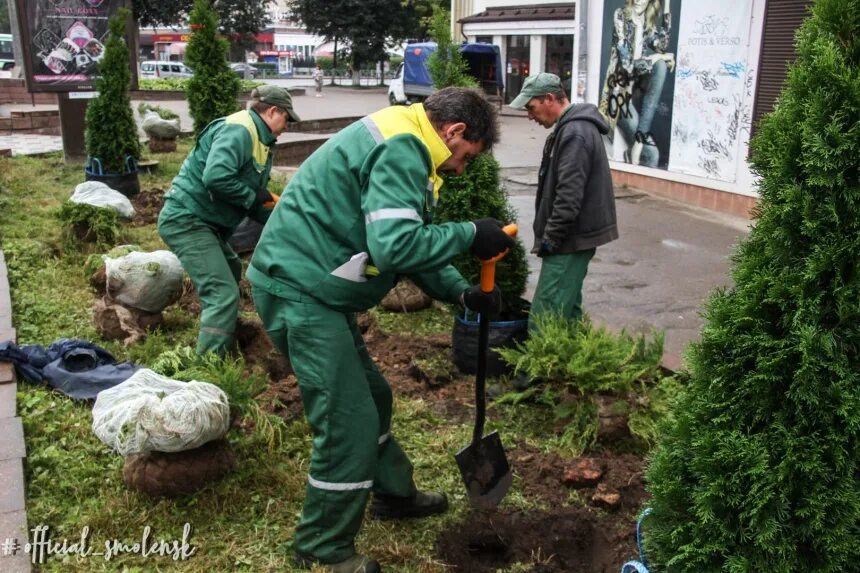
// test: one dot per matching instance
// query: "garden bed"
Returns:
(245, 522)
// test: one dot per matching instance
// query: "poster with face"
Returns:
(640, 41)
(676, 85)
(64, 41)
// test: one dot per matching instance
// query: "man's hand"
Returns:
(490, 240)
(265, 198)
(486, 303)
(546, 248)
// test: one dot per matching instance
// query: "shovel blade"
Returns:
(485, 470)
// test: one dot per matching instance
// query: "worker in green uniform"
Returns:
(223, 180)
(354, 218)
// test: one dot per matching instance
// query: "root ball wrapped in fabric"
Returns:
(152, 413)
(98, 194)
(146, 281)
(175, 474)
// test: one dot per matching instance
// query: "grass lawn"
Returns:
(244, 522)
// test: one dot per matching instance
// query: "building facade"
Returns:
(678, 80)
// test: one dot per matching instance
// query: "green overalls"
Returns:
(354, 218)
(216, 188)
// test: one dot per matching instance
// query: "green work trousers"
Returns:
(214, 269)
(559, 288)
(347, 403)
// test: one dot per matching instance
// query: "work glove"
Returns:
(490, 240)
(264, 197)
(546, 248)
(486, 303)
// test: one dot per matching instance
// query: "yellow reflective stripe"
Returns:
(398, 120)
(258, 150)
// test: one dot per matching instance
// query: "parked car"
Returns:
(159, 69)
(396, 95)
(240, 68)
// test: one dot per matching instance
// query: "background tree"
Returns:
(214, 88)
(446, 65)
(760, 471)
(111, 132)
(5, 24)
(238, 19)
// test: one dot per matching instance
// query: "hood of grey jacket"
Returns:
(584, 112)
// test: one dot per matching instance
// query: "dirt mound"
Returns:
(257, 348)
(147, 205)
(562, 540)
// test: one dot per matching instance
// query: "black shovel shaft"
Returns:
(480, 378)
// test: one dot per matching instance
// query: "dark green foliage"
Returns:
(761, 469)
(446, 65)
(87, 222)
(474, 195)
(111, 133)
(214, 88)
(240, 17)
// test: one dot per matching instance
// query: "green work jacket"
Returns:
(358, 214)
(219, 179)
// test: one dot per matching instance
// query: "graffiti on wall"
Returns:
(676, 84)
(712, 107)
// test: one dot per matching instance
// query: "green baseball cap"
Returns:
(277, 96)
(536, 86)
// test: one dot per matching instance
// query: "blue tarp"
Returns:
(415, 63)
(77, 368)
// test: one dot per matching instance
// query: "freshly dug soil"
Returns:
(147, 205)
(161, 474)
(570, 539)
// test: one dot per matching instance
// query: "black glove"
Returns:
(546, 248)
(490, 240)
(486, 303)
(263, 196)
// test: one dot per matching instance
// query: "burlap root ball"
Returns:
(161, 474)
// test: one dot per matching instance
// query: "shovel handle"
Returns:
(488, 280)
(488, 267)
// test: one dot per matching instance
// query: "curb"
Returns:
(13, 515)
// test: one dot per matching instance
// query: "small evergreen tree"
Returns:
(761, 469)
(213, 90)
(111, 132)
(446, 65)
(474, 195)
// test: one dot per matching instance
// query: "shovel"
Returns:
(483, 463)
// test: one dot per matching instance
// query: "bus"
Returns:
(7, 55)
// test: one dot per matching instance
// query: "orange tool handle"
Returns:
(271, 204)
(488, 267)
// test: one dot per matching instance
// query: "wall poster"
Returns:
(64, 41)
(675, 83)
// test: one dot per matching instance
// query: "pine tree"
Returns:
(761, 469)
(446, 65)
(111, 132)
(214, 88)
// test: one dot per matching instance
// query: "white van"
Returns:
(159, 69)
(396, 95)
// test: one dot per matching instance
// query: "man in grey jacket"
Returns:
(575, 204)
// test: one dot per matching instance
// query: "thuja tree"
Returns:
(111, 133)
(761, 469)
(446, 65)
(474, 195)
(213, 89)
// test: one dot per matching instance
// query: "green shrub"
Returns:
(111, 132)
(87, 222)
(760, 470)
(214, 88)
(163, 113)
(446, 65)
(575, 362)
(474, 195)
(181, 84)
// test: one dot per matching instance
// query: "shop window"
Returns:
(559, 58)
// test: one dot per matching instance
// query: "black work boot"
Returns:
(422, 504)
(355, 564)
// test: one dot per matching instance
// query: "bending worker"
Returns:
(222, 181)
(355, 217)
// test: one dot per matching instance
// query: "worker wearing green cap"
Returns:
(223, 180)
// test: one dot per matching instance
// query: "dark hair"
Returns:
(559, 94)
(467, 105)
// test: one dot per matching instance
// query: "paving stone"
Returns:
(8, 401)
(11, 440)
(8, 334)
(7, 373)
(13, 526)
(12, 493)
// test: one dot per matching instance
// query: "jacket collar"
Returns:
(263, 132)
